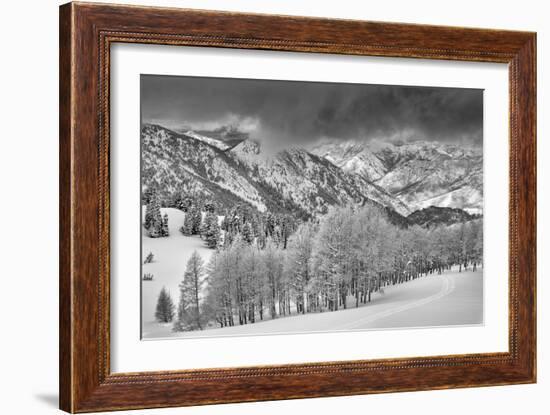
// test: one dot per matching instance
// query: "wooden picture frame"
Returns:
(86, 33)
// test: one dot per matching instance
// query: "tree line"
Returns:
(248, 224)
(326, 265)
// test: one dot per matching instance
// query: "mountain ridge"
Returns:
(293, 180)
(420, 173)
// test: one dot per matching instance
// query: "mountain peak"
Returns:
(419, 173)
(404, 177)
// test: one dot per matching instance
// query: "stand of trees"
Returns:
(254, 227)
(239, 222)
(268, 267)
(156, 224)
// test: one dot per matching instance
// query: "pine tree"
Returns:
(210, 230)
(187, 227)
(165, 307)
(248, 235)
(155, 230)
(153, 218)
(190, 291)
(197, 220)
(146, 195)
(164, 228)
(192, 222)
(206, 224)
(152, 209)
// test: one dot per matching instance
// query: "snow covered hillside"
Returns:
(170, 259)
(420, 174)
(293, 181)
(309, 181)
(251, 252)
(452, 298)
(208, 140)
(177, 163)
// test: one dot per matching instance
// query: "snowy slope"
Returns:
(402, 177)
(208, 140)
(171, 256)
(309, 181)
(180, 163)
(449, 299)
(419, 174)
(293, 181)
(467, 197)
(353, 157)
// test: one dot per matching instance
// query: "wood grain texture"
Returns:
(65, 246)
(86, 33)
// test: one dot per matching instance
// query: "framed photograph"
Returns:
(258, 207)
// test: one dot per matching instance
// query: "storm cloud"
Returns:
(282, 113)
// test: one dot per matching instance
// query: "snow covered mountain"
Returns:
(419, 174)
(309, 181)
(208, 140)
(224, 137)
(403, 178)
(293, 180)
(178, 163)
(354, 158)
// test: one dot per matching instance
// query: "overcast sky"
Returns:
(302, 113)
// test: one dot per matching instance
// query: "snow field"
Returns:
(449, 299)
(171, 256)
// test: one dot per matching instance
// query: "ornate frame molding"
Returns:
(86, 34)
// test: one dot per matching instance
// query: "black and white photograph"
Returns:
(285, 207)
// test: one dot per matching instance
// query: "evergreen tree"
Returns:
(182, 201)
(165, 307)
(154, 222)
(210, 230)
(192, 222)
(209, 207)
(187, 228)
(248, 235)
(146, 195)
(152, 209)
(197, 220)
(164, 228)
(190, 292)
(155, 230)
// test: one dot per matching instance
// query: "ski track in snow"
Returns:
(447, 287)
(449, 299)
